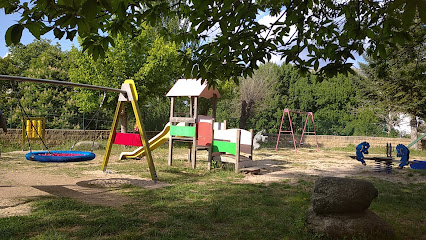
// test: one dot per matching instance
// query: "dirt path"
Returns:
(308, 164)
(21, 181)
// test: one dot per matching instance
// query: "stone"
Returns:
(342, 195)
(86, 145)
(363, 225)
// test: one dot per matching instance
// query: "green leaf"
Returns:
(89, 9)
(58, 33)
(14, 34)
(409, 13)
(71, 34)
(34, 28)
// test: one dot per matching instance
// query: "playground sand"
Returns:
(22, 181)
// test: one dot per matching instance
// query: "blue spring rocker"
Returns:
(360, 150)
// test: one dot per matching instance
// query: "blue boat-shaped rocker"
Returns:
(60, 156)
(418, 164)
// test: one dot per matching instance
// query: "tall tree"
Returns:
(232, 40)
(40, 59)
(150, 60)
(398, 81)
(253, 90)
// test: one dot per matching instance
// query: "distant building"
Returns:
(403, 124)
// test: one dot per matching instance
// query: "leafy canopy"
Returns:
(231, 40)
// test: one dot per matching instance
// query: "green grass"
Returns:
(200, 204)
(217, 210)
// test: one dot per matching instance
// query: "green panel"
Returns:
(228, 147)
(184, 131)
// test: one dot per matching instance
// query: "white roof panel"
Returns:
(192, 88)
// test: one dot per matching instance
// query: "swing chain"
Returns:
(94, 115)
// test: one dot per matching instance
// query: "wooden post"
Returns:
(172, 111)
(226, 125)
(191, 107)
(194, 139)
(251, 148)
(214, 106)
(210, 149)
(237, 154)
(190, 152)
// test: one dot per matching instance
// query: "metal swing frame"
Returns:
(291, 131)
(127, 93)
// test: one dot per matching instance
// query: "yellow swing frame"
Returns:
(132, 97)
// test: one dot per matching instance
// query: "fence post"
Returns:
(11, 114)
(347, 128)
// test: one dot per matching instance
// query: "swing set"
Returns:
(309, 115)
(127, 93)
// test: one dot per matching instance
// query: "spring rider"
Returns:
(404, 153)
(360, 150)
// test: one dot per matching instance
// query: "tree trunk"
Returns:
(246, 110)
(413, 126)
(123, 119)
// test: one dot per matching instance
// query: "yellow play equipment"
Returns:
(132, 97)
(33, 128)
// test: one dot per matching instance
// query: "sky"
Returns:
(10, 19)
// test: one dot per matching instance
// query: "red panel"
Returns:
(128, 139)
(204, 133)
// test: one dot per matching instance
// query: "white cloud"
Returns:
(268, 20)
(7, 54)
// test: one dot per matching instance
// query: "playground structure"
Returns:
(291, 131)
(127, 93)
(402, 151)
(33, 128)
(202, 132)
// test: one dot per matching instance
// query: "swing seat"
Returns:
(60, 156)
(128, 139)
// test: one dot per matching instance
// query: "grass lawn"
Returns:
(199, 204)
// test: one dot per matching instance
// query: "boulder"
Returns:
(363, 225)
(86, 145)
(342, 195)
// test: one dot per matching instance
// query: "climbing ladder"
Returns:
(291, 131)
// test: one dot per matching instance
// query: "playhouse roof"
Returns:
(192, 88)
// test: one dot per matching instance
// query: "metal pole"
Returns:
(62, 83)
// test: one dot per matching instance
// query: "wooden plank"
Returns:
(185, 131)
(182, 119)
(222, 146)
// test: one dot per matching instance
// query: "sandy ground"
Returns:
(21, 182)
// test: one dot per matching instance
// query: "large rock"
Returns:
(365, 225)
(87, 145)
(342, 195)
